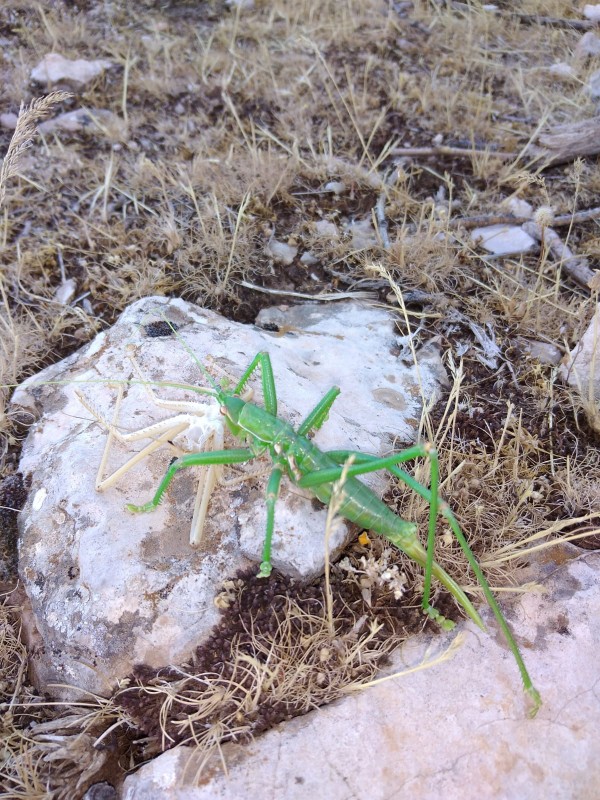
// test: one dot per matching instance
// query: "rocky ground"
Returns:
(434, 162)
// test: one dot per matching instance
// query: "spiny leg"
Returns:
(370, 463)
(192, 460)
(273, 487)
(319, 414)
(261, 360)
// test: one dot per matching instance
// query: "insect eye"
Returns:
(223, 411)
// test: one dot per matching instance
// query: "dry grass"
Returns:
(233, 127)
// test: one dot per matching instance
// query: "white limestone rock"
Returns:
(592, 12)
(518, 207)
(457, 730)
(54, 68)
(563, 70)
(108, 588)
(503, 240)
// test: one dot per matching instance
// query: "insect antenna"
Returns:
(218, 392)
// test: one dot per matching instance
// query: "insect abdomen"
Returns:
(360, 504)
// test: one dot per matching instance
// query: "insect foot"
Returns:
(434, 614)
(265, 570)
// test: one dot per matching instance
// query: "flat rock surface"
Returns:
(457, 730)
(108, 588)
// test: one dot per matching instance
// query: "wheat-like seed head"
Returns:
(26, 128)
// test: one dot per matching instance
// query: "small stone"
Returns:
(54, 67)
(101, 791)
(337, 187)
(592, 12)
(593, 85)
(588, 45)
(66, 291)
(325, 228)
(545, 352)
(9, 121)
(562, 70)
(97, 120)
(518, 207)
(282, 252)
(503, 240)
(308, 259)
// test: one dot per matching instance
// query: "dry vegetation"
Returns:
(233, 127)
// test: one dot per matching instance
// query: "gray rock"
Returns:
(108, 588)
(457, 730)
(588, 45)
(545, 352)
(282, 252)
(563, 70)
(593, 85)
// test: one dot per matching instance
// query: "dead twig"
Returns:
(564, 143)
(322, 296)
(577, 267)
(558, 145)
(443, 150)
(557, 22)
(509, 219)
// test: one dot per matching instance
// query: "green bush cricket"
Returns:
(294, 454)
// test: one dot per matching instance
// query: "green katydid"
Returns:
(294, 454)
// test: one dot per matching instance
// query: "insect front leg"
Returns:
(319, 414)
(261, 361)
(192, 460)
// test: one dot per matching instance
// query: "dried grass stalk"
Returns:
(22, 138)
